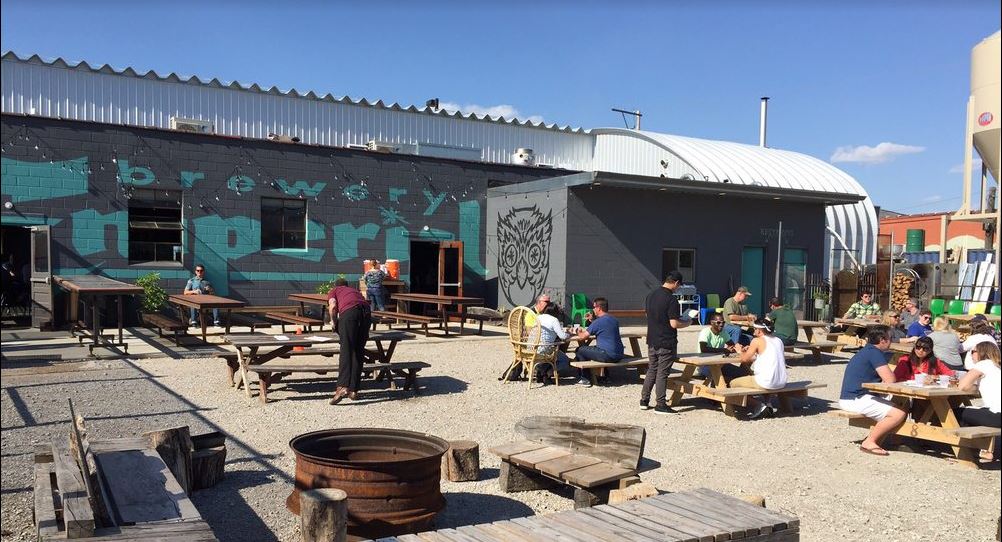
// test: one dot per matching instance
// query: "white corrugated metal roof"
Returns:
(641, 153)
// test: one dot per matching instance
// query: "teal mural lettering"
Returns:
(433, 201)
(135, 175)
(188, 178)
(240, 183)
(314, 232)
(346, 238)
(398, 246)
(301, 187)
(469, 234)
(436, 234)
(395, 194)
(213, 248)
(33, 181)
(88, 231)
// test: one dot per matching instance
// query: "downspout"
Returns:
(848, 251)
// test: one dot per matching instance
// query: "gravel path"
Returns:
(806, 464)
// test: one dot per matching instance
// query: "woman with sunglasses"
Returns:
(920, 360)
(892, 319)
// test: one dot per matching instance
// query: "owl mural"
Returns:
(524, 235)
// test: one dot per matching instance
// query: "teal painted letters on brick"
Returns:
(433, 201)
(240, 183)
(314, 232)
(395, 194)
(213, 249)
(301, 187)
(89, 227)
(33, 181)
(469, 234)
(135, 175)
(346, 238)
(398, 246)
(189, 178)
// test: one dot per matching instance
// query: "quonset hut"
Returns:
(275, 191)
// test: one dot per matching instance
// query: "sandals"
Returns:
(874, 451)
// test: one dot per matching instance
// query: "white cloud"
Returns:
(975, 166)
(932, 199)
(494, 111)
(863, 154)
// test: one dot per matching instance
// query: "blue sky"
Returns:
(877, 88)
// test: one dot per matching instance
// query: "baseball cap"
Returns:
(744, 289)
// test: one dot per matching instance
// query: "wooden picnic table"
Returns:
(92, 291)
(901, 348)
(443, 302)
(202, 303)
(966, 318)
(312, 299)
(633, 337)
(715, 387)
(933, 418)
(809, 326)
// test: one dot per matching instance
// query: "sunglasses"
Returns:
(922, 348)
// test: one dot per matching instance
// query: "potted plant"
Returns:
(820, 299)
(154, 296)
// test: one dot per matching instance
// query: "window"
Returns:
(682, 260)
(155, 226)
(283, 223)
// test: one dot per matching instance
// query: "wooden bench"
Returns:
(391, 317)
(285, 319)
(162, 322)
(590, 457)
(973, 436)
(271, 372)
(732, 397)
(245, 320)
(479, 315)
(817, 347)
(597, 368)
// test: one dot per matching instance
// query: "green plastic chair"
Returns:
(956, 307)
(996, 310)
(937, 307)
(977, 308)
(712, 304)
(579, 307)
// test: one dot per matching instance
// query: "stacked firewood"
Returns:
(901, 287)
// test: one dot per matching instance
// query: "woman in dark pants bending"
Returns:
(352, 318)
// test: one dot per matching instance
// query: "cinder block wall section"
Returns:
(80, 178)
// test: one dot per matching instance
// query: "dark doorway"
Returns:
(15, 247)
(424, 272)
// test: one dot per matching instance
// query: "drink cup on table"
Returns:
(944, 381)
(919, 378)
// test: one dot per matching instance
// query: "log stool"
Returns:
(323, 515)
(461, 463)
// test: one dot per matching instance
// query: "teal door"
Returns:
(794, 277)
(752, 270)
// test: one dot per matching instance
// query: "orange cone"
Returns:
(299, 331)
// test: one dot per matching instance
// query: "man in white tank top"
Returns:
(765, 353)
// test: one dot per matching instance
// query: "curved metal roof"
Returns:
(636, 152)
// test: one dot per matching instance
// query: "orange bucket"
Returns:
(366, 266)
(393, 269)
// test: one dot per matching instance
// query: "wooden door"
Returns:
(41, 278)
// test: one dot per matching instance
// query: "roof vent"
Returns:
(381, 146)
(194, 126)
(523, 157)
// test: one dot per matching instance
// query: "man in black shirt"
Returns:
(663, 323)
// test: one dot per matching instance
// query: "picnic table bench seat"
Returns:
(163, 323)
(391, 317)
(817, 347)
(590, 457)
(599, 367)
(245, 320)
(732, 397)
(284, 319)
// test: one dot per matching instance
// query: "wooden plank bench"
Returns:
(597, 368)
(733, 397)
(272, 372)
(590, 457)
(284, 319)
(391, 317)
(817, 347)
(162, 322)
(245, 320)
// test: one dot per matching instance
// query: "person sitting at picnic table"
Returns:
(985, 377)
(198, 285)
(922, 326)
(910, 313)
(785, 321)
(351, 316)
(892, 319)
(946, 343)
(921, 360)
(608, 343)
(374, 289)
(768, 367)
(713, 340)
(864, 308)
(551, 334)
(736, 312)
(870, 365)
(981, 332)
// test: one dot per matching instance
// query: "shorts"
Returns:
(871, 406)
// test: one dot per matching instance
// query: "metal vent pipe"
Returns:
(763, 116)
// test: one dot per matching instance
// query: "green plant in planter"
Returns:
(154, 296)
(325, 287)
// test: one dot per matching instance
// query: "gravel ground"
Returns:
(806, 464)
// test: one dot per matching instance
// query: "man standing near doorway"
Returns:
(663, 322)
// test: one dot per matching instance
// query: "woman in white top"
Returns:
(768, 366)
(981, 332)
(985, 377)
(551, 332)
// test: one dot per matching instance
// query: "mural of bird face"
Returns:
(523, 235)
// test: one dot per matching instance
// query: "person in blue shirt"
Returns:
(870, 365)
(922, 326)
(608, 344)
(198, 285)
